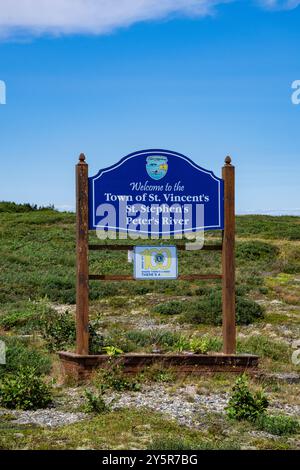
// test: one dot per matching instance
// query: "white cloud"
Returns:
(36, 17)
(91, 16)
(280, 4)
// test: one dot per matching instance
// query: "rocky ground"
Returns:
(185, 404)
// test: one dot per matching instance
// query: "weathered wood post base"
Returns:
(80, 367)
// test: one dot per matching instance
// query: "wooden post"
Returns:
(228, 261)
(82, 269)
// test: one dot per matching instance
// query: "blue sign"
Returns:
(155, 193)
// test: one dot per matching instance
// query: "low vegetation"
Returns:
(37, 319)
(208, 310)
(245, 405)
(95, 402)
(113, 378)
(252, 406)
(24, 390)
(20, 352)
(280, 425)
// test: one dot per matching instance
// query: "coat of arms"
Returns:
(157, 167)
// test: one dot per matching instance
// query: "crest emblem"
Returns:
(157, 167)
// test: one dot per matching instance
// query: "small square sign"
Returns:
(155, 262)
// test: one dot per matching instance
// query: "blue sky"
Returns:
(205, 84)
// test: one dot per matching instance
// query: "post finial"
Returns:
(82, 158)
(228, 160)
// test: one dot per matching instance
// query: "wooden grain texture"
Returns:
(98, 247)
(82, 274)
(80, 367)
(129, 277)
(228, 261)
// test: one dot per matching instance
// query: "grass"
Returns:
(20, 352)
(208, 309)
(280, 425)
(37, 275)
(37, 254)
(137, 429)
(124, 429)
(265, 348)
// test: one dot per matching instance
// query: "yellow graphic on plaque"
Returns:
(155, 262)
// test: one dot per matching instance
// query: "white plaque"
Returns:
(155, 262)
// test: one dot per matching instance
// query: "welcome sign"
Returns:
(155, 193)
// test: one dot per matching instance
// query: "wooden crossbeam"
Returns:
(99, 247)
(129, 277)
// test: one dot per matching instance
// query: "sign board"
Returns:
(155, 193)
(154, 184)
(155, 262)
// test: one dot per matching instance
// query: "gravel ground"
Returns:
(186, 407)
(183, 405)
(49, 417)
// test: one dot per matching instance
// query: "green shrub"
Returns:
(170, 443)
(19, 353)
(119, 339)
(59, 288)
(244, 405)
(205, 344)
(105, 289)
(24, 316)
(140, 289)
(178, 443)
(199, 345)
(202, 290)
(242, 290)
(24, 390)
(293, 233)
(173, 307)
(114, 378)
(181, 344)
(58, 329)
(256, 250)
(208, 310)
(17, 319)
(267, 226)
(250, 278)
(279, 425)
(96, 340)
(247, 311)
(264, 347)
(215, 343)
(164, 376)
(164, 339)
(291, 268)
(112, 350)
(95, 403)
(13, 207)
(118, 302)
